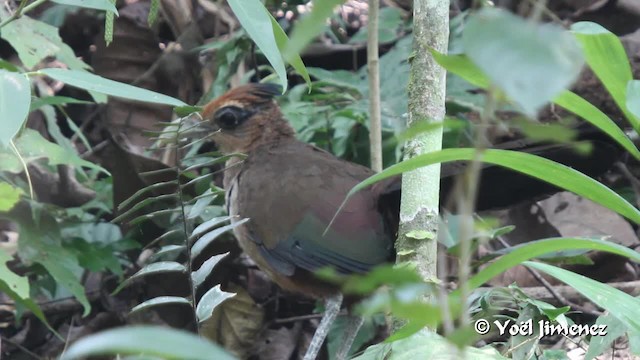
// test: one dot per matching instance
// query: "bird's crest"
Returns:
(244, 95)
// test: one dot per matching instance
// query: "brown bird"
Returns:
(290, 191)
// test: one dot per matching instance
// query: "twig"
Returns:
(22, 9)
(22, 348)
(301, 318)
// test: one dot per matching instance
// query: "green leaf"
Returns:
(31, 146)
(200, 275)
(532, 165)
(105, 5)
(158, 301)
(35, 40)
(9, 196)
(608, 60)
(633, 97)
(207, 225)
(153, 268)
(518, 254)
(54, 100)
(151, 341)
(463, 67)
(256, 21)
(623, 306)
(18, 284)
(598, 344)
(212, 235)
(201, 204)
(88, 81)
(532, 63)
(310, 26)
(426, 345)
(282, 40)
(212, 298)
(596, 117)
(15, 97)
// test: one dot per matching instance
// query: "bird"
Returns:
(290, 191)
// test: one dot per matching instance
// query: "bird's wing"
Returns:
(290, 194)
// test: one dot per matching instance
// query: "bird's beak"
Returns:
(194, 126)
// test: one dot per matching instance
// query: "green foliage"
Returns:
(542, 60)
(148, 341)
(608, 60)
(426, 345)
(621, 305)
(9, 196)
(309, 27)
(88, 81)
(256, 21)
(15, 96)
(104, 5)
(32, 146)
(532, 165)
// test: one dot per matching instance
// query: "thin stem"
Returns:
(467, 203)
(185, 230)
(373, 69)
(24, 166)
(22, 9)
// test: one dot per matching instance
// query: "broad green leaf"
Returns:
(200, 275)
(463, 67)
(212, 298)
(31, 146)
(45, 249)
(426, 345)
(105, 5)
(608, 60)
(9, 196)
(18, 284)
(87, 81)
(15, 97)
(532, 63)
(35, 40)
(54, 100)
(282, 40)
(596, 117)
(518, 254)
(633, 97)
(623, 306)
(160, 300)
(148, 340)
(310, 26)
(28, 303)
(598, 344)
(210, 236)
(256, 21)
(552, 172)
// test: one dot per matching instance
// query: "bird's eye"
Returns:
(230, 117)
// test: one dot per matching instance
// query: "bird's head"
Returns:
(246, 117)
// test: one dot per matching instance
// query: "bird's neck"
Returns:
(265, 137)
